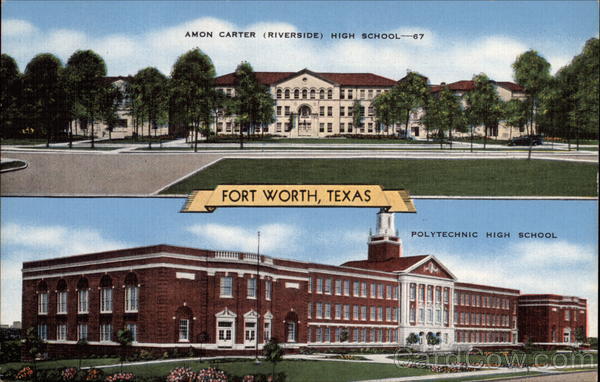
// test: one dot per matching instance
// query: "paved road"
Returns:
(588, 376)
(94, 174)
(136, 173)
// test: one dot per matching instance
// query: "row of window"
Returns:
(340, 287)
(106, 333)
(359, 312)
(322, 94)
(106, 300)
(468, 299)
(429, 291)
(429, 315)
(226, 288)
(482, 337)
(332, 335)
(568, 315)
(484, 319)
(325, 111)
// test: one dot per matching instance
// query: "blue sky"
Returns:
(35, 228)
(461, 38)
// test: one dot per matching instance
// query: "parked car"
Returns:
(527, 140)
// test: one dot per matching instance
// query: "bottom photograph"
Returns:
(132, 289)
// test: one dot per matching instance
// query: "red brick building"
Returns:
(549, 319)
(176, 297)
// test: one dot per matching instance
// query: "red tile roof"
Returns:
(468, 85)
(391, 265)
(344, 79)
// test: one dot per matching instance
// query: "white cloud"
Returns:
(33, 242)
(543, 253)
(438, 57)
(274, 238)
(17, 28)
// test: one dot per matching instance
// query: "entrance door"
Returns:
(225, 333)
(291, 332)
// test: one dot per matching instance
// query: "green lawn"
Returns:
(85, 147)
(319, 140)
(296, 370)
(61, 363)
(490, 177)
(36, 141)
(489, 377)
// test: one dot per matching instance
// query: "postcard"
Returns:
(299, 191)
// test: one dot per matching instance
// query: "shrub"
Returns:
(93, 375)
(68, 374)
(120, 377)
(183, 374)
(25, 374)
(11, 351)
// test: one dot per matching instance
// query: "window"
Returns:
(133, 330)
(356, 291)
(355, 315)
(184, 330)
(327, 311)
(342, 127)
(327, 334)
(279, 110)
(342, 111)
(267, 331)
(329, 127)
(373, 313)
(421, 315)
(363, 290)
(286, 110)
(395, 314)
(438, 295)
(379, 313)
(567, 315)
(446, 295)
(346, 312)
(309, 310)
(346, 287)
(355, 335)
(373, 290)
(82, 301)
(327, 286)
(319, 310)
(61, 302)
(278, 93)
(349, 93)
(438, 316)
(61, 332)
(322, 111)
(413, 292)
(330, 94)
(105, 300)
(380, 291)
(287, 93)
(338, 311)
(313, 94)
(388, 314)
(413, 314)
(422, 293)
(445, 316)
(429, 294)
(42, 331)
(268, 289)
(304, 94)
(388, 292)
(338, 287)
(342, 93)
(249, 331)
(310, 285)
(363, 313)
(251, 292)
(455, 298)
(105, 332)
(82, 332)
(319, 285)
(329, 111)
(131, 298)
(296, 94)
(337, 334)
(319, 335)
(226, 286)
(43, 303)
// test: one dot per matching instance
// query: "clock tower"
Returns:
(385, 244)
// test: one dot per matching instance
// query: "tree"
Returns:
(384, 110)
(149, 87)
(124, 338)
(253, 103)
(484, 106)
(10, 97)
(411, 93)
(444, 112)
(273, 353)
(34, 346)
(412, 339)
(433, 339)
(192, 80)
(515, 113)
(85, 74)
(580, 335)
(45, 94)
(109, 99)
(532, 72)
(357, 114)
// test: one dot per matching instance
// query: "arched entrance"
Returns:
(304, 120)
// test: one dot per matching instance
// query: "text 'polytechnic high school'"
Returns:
(224, 302)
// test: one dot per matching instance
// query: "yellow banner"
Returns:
(299, 196)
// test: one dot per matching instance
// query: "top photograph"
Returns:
(160, 99)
